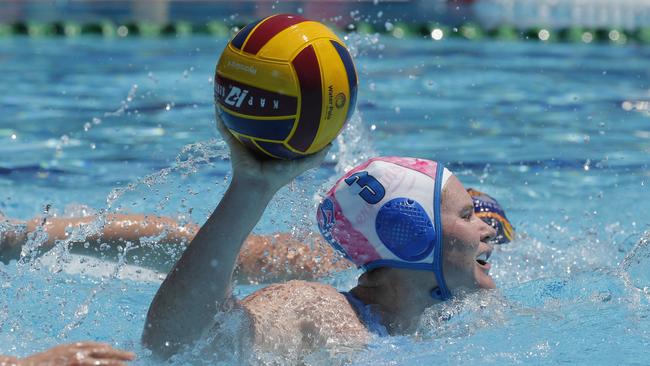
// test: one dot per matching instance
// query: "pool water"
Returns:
(558, 133)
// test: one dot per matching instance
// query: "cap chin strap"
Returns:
(441, 292)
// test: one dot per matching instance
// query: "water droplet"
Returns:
(96, 121)
(13, 136)
(544, 35)
(168, 107)
(437, 34)
(82, 311)
(122, 31)
(627, 105)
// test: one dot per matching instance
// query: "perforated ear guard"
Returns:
(404, 227)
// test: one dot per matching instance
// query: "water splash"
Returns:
(186, 163)
(634, 268)
(35, 240)
(124, 104)
(464, 315)
(355, 145)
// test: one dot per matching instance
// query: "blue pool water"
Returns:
(558, 133)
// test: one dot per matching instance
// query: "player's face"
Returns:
(465, 239)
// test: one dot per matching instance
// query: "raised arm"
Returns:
(199, 284)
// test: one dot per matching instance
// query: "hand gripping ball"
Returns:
(285, 86)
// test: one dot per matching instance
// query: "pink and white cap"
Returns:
(386, 213)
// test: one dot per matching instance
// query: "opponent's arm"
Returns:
(118, 229)
(199, 284)
(282, 257)
(263, 258)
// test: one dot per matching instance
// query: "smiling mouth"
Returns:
(482, 259)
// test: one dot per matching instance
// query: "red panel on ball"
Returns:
(268, 29)
(311, 92)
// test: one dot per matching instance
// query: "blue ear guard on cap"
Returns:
(404, 227)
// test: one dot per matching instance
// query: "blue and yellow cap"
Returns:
(491, 212)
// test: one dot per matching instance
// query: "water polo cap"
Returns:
(386, 213)
(491, 212)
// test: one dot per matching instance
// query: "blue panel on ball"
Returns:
(404, 227)
(278, 150)
(351, 73)
(258, 128)
(256, 150)
(239, 39)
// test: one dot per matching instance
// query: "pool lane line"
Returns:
(434, 31)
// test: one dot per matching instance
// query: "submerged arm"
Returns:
(199, 284)
(81, 353)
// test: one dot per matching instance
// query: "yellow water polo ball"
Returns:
(285, 86)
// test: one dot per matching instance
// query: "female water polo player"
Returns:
(263, 258)
(387, 216)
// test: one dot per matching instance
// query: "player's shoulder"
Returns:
(305, 298)
(297, 287)
(309, 310)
